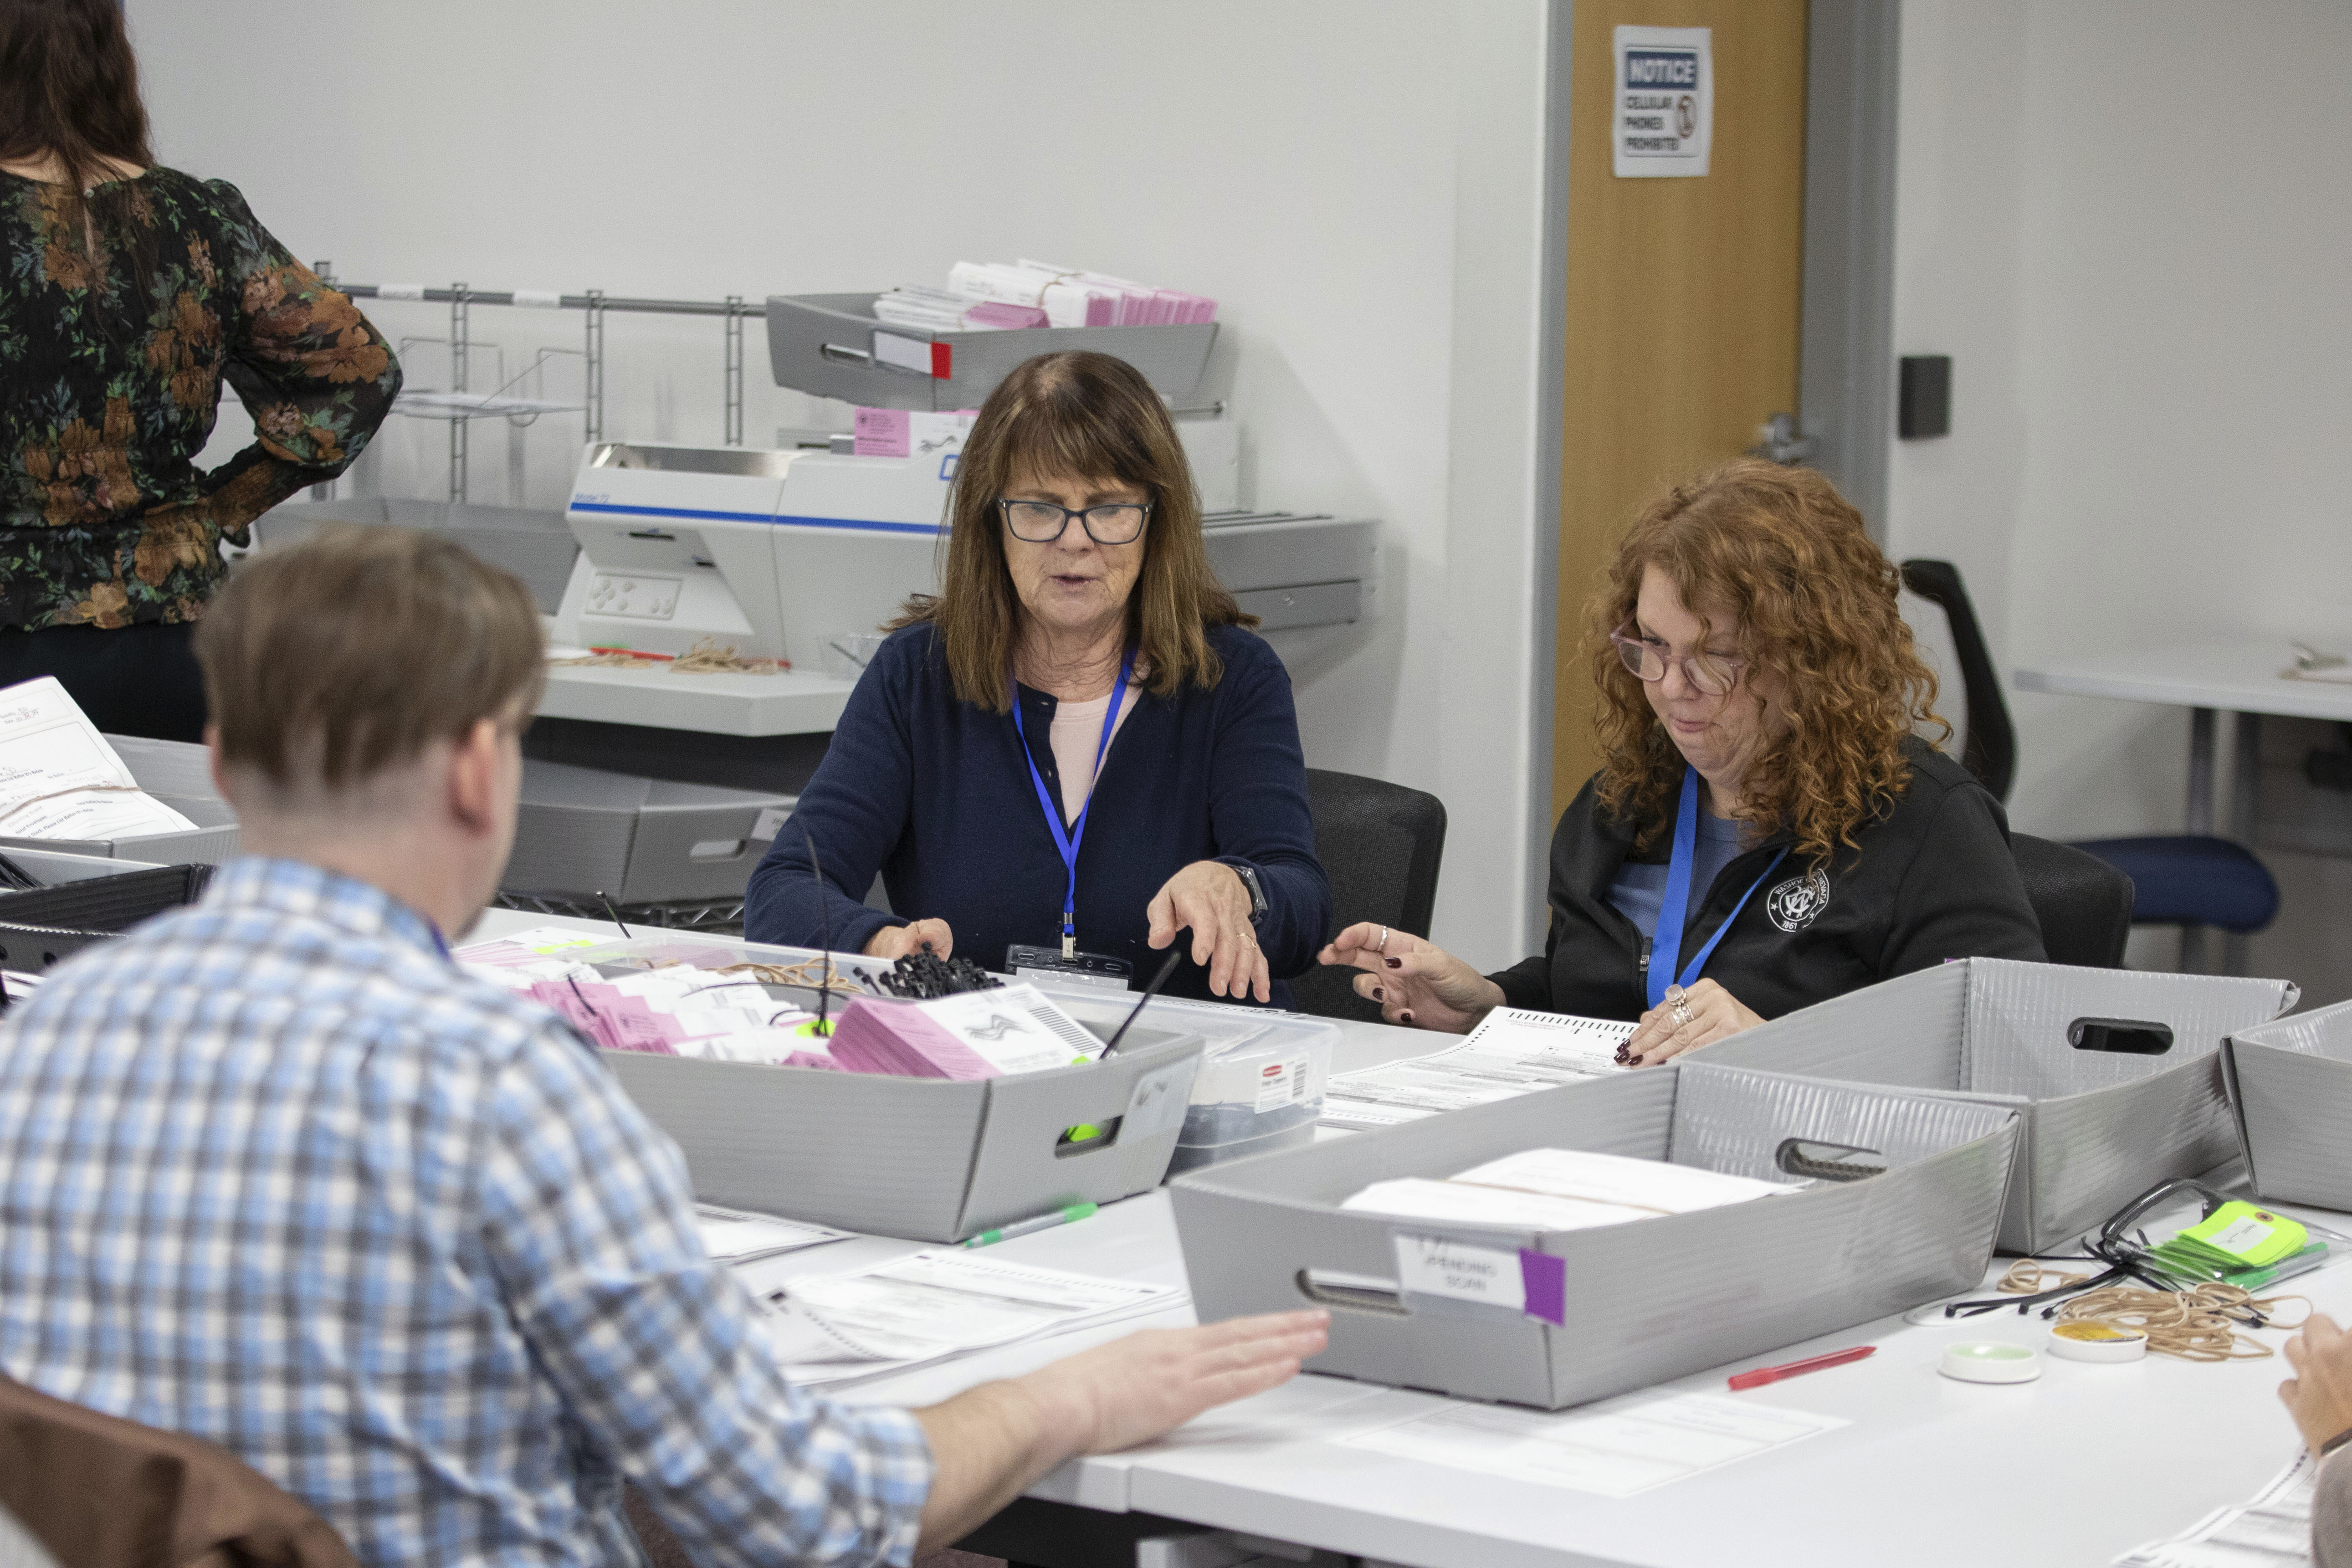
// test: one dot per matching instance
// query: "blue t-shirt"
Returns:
(1640, 891)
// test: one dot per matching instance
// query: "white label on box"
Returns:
(1158, 1102)
(2239, 1237)
(1436, 1266)
(899, 351)
(1281, 1083)
(770, 822)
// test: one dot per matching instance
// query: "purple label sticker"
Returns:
(1546, 1280)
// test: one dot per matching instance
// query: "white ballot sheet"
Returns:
(1560, 1189)
(835, 1328)
(59, 779)
(734, 1235)
(1614, 1449)
(1510, 1053)
(2274, 1531)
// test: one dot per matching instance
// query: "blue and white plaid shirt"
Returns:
(275, 1172)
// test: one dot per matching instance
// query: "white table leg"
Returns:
(2194, 940)
(2245, 796)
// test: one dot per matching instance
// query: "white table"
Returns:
(2242, 676)
(2073, 1469)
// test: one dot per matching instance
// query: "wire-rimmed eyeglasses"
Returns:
(1042, 522)
(1710, 674)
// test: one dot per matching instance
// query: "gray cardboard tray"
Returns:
(178, 773)
(823, 345)
(925, 1159)
(536, 546)
(2290, 1085)
(581, 831)
(2099, 1127)
(1641, 1302)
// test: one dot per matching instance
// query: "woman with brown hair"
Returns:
(133, 291)
(1766, 830)
(1076, 746)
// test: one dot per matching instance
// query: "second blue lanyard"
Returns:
(1666, 947)
(1066, 840)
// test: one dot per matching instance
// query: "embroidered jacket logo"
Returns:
(1799, 902)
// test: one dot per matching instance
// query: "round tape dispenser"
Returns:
(1991, 1361)
(2097, 1342)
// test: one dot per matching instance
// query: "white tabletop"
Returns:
(2243, 677)
(2074, 1468)
(787, 703)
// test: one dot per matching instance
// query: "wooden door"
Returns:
(1683, 301)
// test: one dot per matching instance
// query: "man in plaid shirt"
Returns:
(275, 1173)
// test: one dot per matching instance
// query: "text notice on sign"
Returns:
(1664, 112)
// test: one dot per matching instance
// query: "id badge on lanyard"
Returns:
(1666, 947)
(1067, 840)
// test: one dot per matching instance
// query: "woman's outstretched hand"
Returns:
(1415, 983)
(1209, 898)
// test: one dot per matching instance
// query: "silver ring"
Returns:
(1682, 1013)
(1384, 941)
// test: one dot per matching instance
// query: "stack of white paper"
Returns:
(1072, 296)
(2275, 1530)
(59, 779)
(1510, 1053)
(732, 1236)
(932, 1305)
(1560, 1189)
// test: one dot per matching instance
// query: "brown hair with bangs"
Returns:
(330, 661)
(1787, 558)
(1087, 417)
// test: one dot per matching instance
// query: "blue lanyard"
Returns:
(1667, 945)
(1067, 841)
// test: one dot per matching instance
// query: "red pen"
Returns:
(1764, 1374)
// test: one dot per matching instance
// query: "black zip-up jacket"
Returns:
(1931, 880)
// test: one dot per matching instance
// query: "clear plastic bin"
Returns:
(1260, 1087)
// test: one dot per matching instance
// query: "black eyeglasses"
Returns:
(1042, 522)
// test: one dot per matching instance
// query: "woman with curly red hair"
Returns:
(1766, 830)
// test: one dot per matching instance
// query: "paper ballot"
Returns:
(59, 779)
(1560, 1189)
(1011, 1028)
(1511, 1052)
(732, 1236)
(833, 1327)
(2272, 1531)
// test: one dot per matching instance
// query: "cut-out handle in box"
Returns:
(1087, 1138)
(1816, 1159)
(1352, 1292)
(2120, 1036)
(842, 354)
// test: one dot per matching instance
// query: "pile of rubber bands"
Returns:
(803, 975)
(707, 656)
(2201, 1323)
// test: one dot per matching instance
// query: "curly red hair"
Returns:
(1786, 557)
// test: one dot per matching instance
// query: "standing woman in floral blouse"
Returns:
(128, 293)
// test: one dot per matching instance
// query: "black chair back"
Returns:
(2084, 905)
(1991, 752)
(1381, 845)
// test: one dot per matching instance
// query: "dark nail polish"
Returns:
(1404, 1017)
(1379, 995)
(1396, 963)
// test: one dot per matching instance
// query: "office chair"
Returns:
(2182, 879)
(1381, 845)
(2085, 904)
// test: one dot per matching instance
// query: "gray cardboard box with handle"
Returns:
(2290, 1085)
(2117, 1074)
(581, 831)
(927, 1159)
(1637, 1303)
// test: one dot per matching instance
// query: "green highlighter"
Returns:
(1023, 1227)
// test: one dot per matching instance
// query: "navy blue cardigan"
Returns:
(932, 792)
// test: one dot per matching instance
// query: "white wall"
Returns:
(2125, 221)
(1358, 181)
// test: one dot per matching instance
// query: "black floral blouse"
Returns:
(107, 391)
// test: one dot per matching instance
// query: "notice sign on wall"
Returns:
(1666, 102)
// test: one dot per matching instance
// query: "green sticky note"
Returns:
(2247, 1236)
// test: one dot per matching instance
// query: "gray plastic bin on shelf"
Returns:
(178, 773)
(1641, 1302)
(581, 831)
(2289, 1086)
(927, 1159)
(826, 346)
(2100, 1125)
